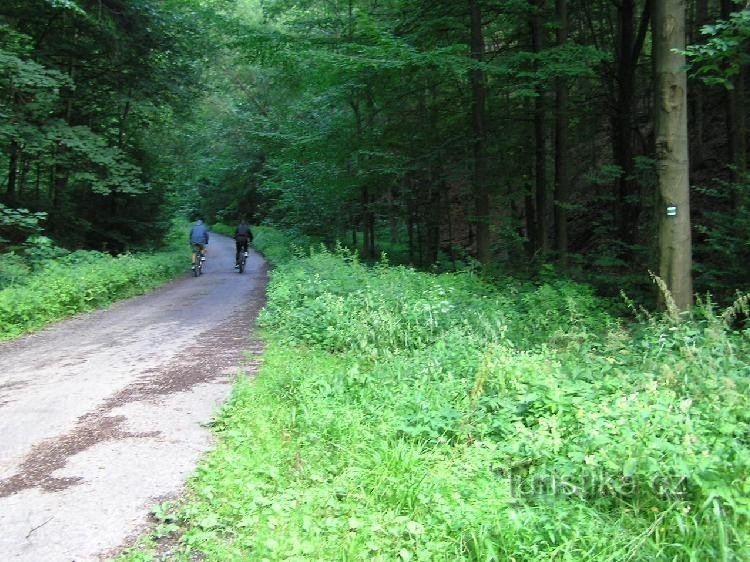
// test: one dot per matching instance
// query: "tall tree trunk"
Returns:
(675, 252)
(530, 215)
(540, 145)
(698, 92)
(432, 222)
(370, 198)
(392, 217)
(628, 51)
(410, 228)
(736, 116)
(12, 170)
(22, 179)
(562, 178)
(123, 123)
(368, 225)
(622, 144)
(742, 125)
(479, 129)
(37, 181)
(367, 222)
(437, 185)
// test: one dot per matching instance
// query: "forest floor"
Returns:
(104, 415)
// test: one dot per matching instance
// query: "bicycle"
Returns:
(198, 260)
(241, 262)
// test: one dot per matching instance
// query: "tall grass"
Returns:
(406, 416)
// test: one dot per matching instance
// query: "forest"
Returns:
(510, 243)
(505, 135)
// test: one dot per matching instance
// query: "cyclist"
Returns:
(199, 240)
(242, 237)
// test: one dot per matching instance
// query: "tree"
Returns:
(562, 180)
(627, 52)
(478, 113)
(670, 106)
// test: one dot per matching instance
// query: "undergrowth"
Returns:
(406, 416)
(58, 284)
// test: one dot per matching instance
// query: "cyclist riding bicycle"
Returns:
(198, 240)
(242, 237)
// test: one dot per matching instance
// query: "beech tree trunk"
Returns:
(670, 107)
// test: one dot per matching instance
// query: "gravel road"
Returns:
(103, 415)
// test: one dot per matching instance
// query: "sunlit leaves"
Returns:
(17, 224)
(67, 5)
(720, 57)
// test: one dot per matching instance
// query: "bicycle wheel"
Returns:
(196, 265)
(242, 264)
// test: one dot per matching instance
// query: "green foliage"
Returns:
(13, 268)
(222, 228)
(723, 53)
(16, 225)
(79, 134)
(406, 416)
(724, 247)
(280, 247)
(318, 302)
(39, 249)
(48, 284)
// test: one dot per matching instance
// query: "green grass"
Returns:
(405, 416)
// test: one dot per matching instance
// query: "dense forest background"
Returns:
(511, 135)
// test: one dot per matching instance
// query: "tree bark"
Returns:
(675, 251)
(368, 228)
(629, 47)
(122, 124)
(12, 170)
(479, 129)
(736, 116)
(22, 178)
(562, 174)
(540, 148)
(530, 215)
(698, 92)
(368, 225)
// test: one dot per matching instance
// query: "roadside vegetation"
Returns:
(41, 282)
(402, 415)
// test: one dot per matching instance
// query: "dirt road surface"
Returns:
(103, 415)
